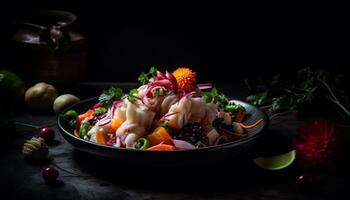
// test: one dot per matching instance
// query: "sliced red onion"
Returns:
(172, 79)
(122, 141)
(160, 76)
(112, 141)
(205, 86)
(221, 138)
(167, 115)
(186, 95)
(115, 106)
(97, 105)
(117, 103)
(183, 145)
(165, 83)
(104, 122)
(107, 119)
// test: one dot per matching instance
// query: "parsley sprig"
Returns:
(132, 96)
(214, 96)
(109, 96)
(144, 77)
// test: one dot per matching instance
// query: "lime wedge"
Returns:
(276, 162)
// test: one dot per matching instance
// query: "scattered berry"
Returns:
(48, 134)
(50, 174)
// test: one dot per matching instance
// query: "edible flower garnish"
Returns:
(186, 79)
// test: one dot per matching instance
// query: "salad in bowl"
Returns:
(168, 112)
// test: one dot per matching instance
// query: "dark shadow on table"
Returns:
(230, 175)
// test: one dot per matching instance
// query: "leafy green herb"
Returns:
(309, 89)
(214, 96)
(160, 91)
(71, 116)
(100, 111)
(109, 96)
(144, 77)
(234, 108)
(167, 127)
(84, 129)
(258, 99)
(132, 96)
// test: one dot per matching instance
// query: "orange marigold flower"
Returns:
(186, 79)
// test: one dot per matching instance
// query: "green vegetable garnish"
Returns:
(100, 111)
(71, 116)
(214, 96)
(258, 99)
(109, 96)
(167, 127)
(132, 96)
(142, 143)
(234, 108)
(160, 91)
(84, 129)
(144, 77)
(310, 90)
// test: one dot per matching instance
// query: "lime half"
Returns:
(276, 162)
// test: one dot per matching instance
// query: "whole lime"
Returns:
(11, 86)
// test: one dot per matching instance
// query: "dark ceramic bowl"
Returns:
(242, 148)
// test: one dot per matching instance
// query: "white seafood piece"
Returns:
(129, 127)
(154, 103)
(227, 119)
(120, 112)
(211, 112)
(145, 116)
(141, 91)
(212, 136)
(131, 139)
(237, 128)
(182, 110)
(167, 103)
(131, 113)
(92, 132)
(197, 112)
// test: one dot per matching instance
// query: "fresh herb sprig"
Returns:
(109, 96)
(132, 96)
(214, 96)
(309, 89)
(144, 77)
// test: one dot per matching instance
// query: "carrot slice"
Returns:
(162, 147)
(88, 113)
(160, 135)
(116, 123)
(252, 125)
(101, 138)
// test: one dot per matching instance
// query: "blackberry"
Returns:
(218, 122)
(193, 133)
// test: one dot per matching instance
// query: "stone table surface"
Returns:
(83, 176)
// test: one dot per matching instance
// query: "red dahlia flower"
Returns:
(316, 143)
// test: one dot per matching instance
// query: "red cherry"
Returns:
(50, 174)
(48, 134)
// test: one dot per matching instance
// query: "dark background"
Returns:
(223, 42)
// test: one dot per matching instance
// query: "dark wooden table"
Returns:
(83, 176)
